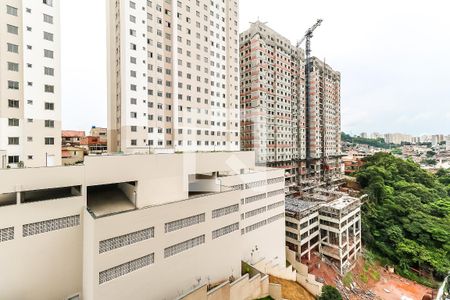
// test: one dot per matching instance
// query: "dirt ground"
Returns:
(291, 290)
(398, 288)
(321, 270)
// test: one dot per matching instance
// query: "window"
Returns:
(49, 88)
(49, 71)
(49, 106)
(10, 10)
(49, 141)
(186, 222)
(133, 115)
(13, 141)
(183, 246)
(133, 142)
(225, 230)
(13, 85)
(13, 122)
(13, 48)
(6, 234)
(126, 240)
(48, 53)
(225, 211)
(13, 103)
(13, 67)
(48, 2)
(48, 19)
(12, 29)
(50, 123)
(50, 225)
(13, 159)
(126, 268)
(48, 36)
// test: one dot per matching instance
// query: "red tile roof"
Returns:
(72, 133)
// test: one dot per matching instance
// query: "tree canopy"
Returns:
(330, 293)
(407, 215)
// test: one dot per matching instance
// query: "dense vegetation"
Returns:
(406, 219)
(330, 293)
(378, 143)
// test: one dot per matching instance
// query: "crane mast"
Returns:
(308, 35)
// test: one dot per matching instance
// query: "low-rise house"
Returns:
(72, 155)
(72, 137)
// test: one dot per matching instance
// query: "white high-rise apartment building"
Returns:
(30, 111)
(173, 78)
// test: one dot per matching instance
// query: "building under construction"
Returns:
(326, 222)
(284, 127)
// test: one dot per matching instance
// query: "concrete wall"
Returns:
(43, 266)
(168, 277)
(275, 291)
(308, 281)
(244, 288)
(69, 258)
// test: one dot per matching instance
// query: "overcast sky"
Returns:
(394, 58)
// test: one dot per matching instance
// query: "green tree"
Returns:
(330, 293)
(406, 218)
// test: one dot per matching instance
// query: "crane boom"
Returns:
(308, 35)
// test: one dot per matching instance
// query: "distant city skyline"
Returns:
(387, 85)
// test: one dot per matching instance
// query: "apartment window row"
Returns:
(255, 212)
(225, 230)
(291, 225)
(255, 226)
(50, 225)
(184, 246)
(292, 235)
(262, 223)
(186, 222)
(14, 140)
(126, 268)
(259, 183)
(275, 218)
(225, 211)
(275, 180)
(126, 240)
(255, 198)
(6, 234)
(275, 205)
(276, 192)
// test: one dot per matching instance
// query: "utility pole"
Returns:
(308, 69)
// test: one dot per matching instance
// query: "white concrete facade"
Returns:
(173, 75)
(137, 227)
(30, 88)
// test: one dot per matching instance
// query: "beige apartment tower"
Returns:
(30, 110)
(173, 75)
(276, 121)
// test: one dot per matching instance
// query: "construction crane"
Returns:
(307, 37)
